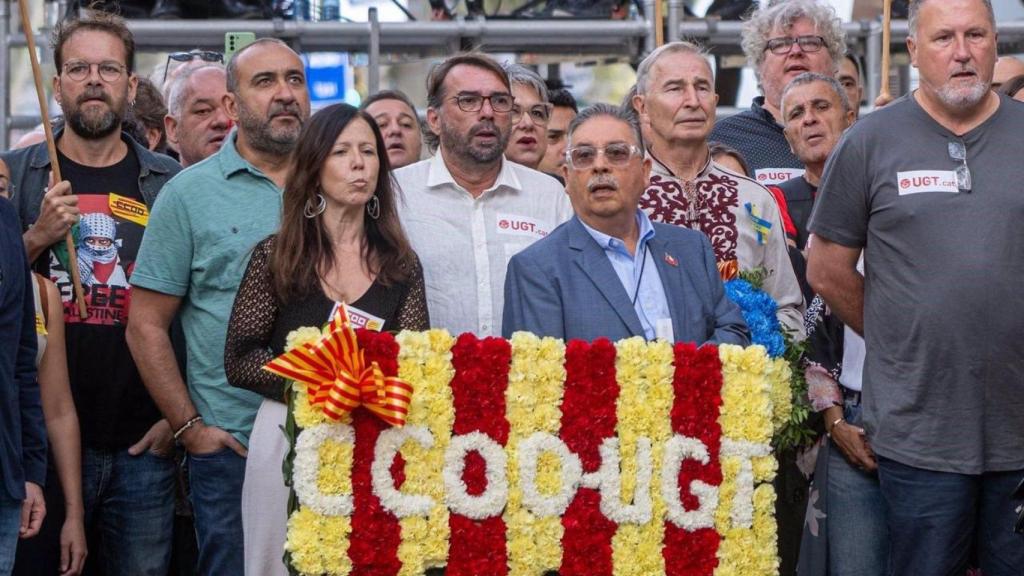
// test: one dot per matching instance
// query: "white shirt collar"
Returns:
(439, 175)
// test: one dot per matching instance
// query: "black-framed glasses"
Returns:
(617, 154)
(473, 102)
(78, 70)
(539, 114)
(204, 55)
(784, 45)
(958, 151)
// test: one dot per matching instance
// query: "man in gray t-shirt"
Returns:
(938, 214)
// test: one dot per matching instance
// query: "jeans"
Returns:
(936, 517)
(130, 501)
(858, 538)
(216, 481)
(10, 525)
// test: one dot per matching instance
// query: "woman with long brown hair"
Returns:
(340, 241)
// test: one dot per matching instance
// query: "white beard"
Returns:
(963, 97)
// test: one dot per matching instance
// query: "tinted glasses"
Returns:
(204, 55)
(617, 154)
(958, 151)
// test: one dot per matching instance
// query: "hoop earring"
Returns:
(373, 207)
(310, 211)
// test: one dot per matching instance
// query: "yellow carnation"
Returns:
(304, 335)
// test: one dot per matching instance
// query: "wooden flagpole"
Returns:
(659, 24)
(51, 147)
(883, 91)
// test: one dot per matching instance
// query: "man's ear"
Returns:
(638, 104)
(912, 50)
(434, 121)
(56, 88)
(230, 106)
(171, 129)
(133, 85)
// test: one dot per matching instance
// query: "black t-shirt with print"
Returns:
(114, 408)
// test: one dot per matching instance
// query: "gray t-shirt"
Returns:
(944, 283)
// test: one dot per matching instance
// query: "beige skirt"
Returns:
(264, 495)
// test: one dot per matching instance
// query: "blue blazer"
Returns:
(22, 429)
(564, 286)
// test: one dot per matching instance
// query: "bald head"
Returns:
(1006, 67)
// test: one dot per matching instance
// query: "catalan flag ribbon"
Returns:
(338, 378)
(761, 226)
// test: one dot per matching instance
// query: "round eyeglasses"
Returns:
(109, 71)
(539, 114)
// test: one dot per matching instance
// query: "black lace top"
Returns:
(260, 322)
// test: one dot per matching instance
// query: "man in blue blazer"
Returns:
(609, 272)
(22, 429)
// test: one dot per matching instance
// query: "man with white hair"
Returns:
(196, 121)
(939, 304)
(782, 41)
(676, 100)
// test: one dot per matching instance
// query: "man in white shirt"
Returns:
(467, 210)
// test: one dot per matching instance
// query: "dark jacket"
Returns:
(30, 173)
(22, 428)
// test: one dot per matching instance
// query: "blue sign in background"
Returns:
(326, 77)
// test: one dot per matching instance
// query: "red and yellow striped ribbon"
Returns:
(338, 379)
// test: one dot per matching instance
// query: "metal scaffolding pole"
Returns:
(567, 39)
(373, 64)
(5, 71)
(675, 10)
(651, 37)
(872, 60)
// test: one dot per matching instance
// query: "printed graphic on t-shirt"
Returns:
(516, 225)
(107, 241)
(770, 176)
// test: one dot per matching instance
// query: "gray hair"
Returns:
(627, 104)
(915, 7)
(179, 90)
(607, 110)
(643, 71)
(782, 15)
(811, 78)
(519, 74)
(232, 67)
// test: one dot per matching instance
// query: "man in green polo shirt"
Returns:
(192, 257)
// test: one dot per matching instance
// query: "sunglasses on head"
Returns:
(204, 55)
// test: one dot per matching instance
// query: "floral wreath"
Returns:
(528, 455)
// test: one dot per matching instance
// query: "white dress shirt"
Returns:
(465, 243)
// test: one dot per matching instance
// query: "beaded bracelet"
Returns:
(184, 427)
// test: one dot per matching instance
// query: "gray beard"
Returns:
(963, 98)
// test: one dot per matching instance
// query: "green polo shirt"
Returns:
(203, 226)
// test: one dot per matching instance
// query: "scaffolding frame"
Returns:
(566, 39)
